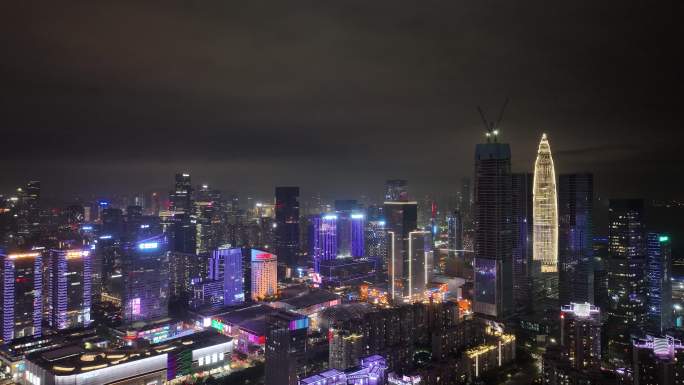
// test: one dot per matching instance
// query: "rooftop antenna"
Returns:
(492, 127)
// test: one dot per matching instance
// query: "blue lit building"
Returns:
(227, 265)
(323, 239)
(659, 283)
(358, 225)
(145, 279)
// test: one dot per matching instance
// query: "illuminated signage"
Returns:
(148, 245)
(258, 255)
(357, 216)
(301, 323)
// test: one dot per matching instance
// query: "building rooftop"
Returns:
(76, 358)
(346, 312)
(310, 298)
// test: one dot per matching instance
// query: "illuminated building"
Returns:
(498, 350)
(345, 349)
(545, 227)
(264, 275)
(376, 245)
(658, 360)
(401, 220)
(396, 379)
(69, 288)
(21, 294)
(455, 234)
(181, 197)
(184, 229)
(309, 302)
(659, 283)
(227, 265)
(180, 359)
(419, 264)
(626, 276)
(287, 225)
(522, 217)
(581, 335)
(28, 209)
(285, 347)
(145, 280)
(575, 247)
(371, 371)
(323, 236)
(396, 190)
(184, 269)
(358, 225)
(493, 293)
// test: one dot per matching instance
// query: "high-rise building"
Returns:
(184, 270)
(376, 246)
(521, 207)
(455, 234)
(227, 265)
(21, 293)
(658, 360)
(493, 294)
(69, 293)
(287, 225)
(401, 220)
(581, 335)
(323, 239)
(659, 283)
(626, 276)
(575, 239)
(181, 197)
(184, 228)
(28, 209)
(420, 261)
(358, 238)
(264, 275)
(145, 279)
(285, 347)
(545, 228)
(396, 190)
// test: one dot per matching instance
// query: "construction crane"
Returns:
(492, 127)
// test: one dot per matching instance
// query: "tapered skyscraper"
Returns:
(545, 230)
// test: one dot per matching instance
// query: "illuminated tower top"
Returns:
(545, 210)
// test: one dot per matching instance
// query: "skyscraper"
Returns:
(21, 294)
(376, 246)
(419, 264)
(181, 197)
(69, 288)
(227, 265)
(264, 275)
(658, 360)
(575, 239)
(287, 225)
(358, 239)
(493, 234)
(146, 279)
(285, 347)
(401, 220)
(323, 242)
(396, 190)
(659, 283)
(545, 229)
(521, 186)
(581, 335)
(626, 276)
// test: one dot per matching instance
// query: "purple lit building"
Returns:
(323, 239)
(69, 292)
(657, 360)
(358, 225)
(372, 371)
(226, 265)
(21, 294)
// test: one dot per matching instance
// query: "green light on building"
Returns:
(664, 238)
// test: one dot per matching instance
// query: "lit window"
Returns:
(201, 361)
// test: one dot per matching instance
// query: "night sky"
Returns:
(335, 96)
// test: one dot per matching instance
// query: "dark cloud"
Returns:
(336, 96)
